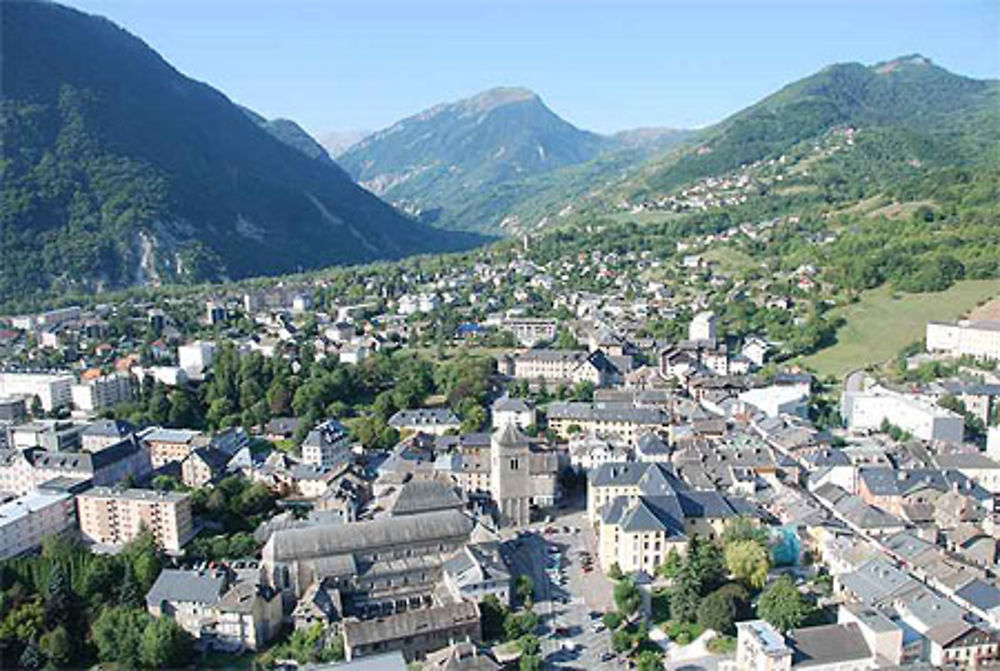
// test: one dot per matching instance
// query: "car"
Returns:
(566, 529)
(607, 656)
(599, 627)
(596, 615)
(570, 646)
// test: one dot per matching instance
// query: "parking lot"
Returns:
(569, 599)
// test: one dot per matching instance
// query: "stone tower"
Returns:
(510, 478)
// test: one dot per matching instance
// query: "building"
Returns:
(512, 490)
(518, 411)
(589, 451)
(55, 435)
(169, 445)
(476, 571)
(13, 410)
(29, 519)
(203, 466)
(414, 633)
(979, 339)
(327, 446)
(433, 421)
(23, 470)
(569, 367)
(102, 392)
(222, 613)
(702, 327)
(643, 511)
(53, 390)
(832, 647)
(116, 516)
(105, 433)
(530, 332)
(617, 422)
(779, 399)
(194, 358)
(867, 410)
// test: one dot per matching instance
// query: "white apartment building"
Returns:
(866, 410)
(702, 327)
(54, 390)
(103, 392)
(29, 519)
(116, 516)
(195, 357)
(980, 339)
(328, 445)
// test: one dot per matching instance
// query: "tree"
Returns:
(31, 658)
(749, 562)
(164, 644)
(684, 599)
(717, 612)
(621, 641)
(705, 562)
(744, 529)
(782, 605)
(57, 646)
(524, 588)
(649, 660)
(612, 620)
(671, 565)
(627, 597)
(493, 615)
(58, 597)
(530, 663)
(529, 644)
(117, 633)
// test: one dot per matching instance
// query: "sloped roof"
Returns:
(418, 496)
(179, 585)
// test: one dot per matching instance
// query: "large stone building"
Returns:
(378, 583)
(619, 422)
(115, 516)
(327, 446)
(554, 367)
(868, 409)
(643, 511)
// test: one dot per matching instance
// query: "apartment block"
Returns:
(116, 516)
(27, 520)
(103, 392)
(54, 390)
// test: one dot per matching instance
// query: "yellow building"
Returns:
(116, 516)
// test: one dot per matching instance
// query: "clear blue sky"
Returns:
(338, 65)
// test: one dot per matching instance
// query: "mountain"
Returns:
(908, 94)
(291, 134)
(118, 170)
(336, 143)
(433, 161)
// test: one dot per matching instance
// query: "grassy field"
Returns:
(879, 325)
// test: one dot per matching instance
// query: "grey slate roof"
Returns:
(324, 540)
(575, 410)
(178, 585)
(418, 496)
(980, 594)
(424, 417)
(117, 428)
(410, 623)
(827, 644)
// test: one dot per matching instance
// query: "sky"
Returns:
(345, 65)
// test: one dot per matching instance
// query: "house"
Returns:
(476, 571)
(168, 445)
(569, 367)
(281, 428)
(651, 447)
(831, 647)
(224, 613)
(415, 633)
(620, 423)
(328, 446)
(103, 433)
(433, 421)
(590, 451)
(519, 411)
(203, 466)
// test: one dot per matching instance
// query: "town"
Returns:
(517, 460)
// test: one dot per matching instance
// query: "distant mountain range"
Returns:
(453, 163)
(337, 143)
(118, 170)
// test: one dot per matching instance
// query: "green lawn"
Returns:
(879, 325)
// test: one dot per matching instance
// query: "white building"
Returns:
(702, 327)
(29, 519)
(54, 390)
(102, 392)
(980, 339)
(195, 357)
(779, 399)
(866, 410)
(517, 411)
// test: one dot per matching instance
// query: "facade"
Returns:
(195, 357)
(103, 392)
(104, 433)
(54, 390)
(570, 367)
(209, 605)
(530, 332)
(866, 410)
(477, 571)
(980, 339)
(327, 446)
(517, 411)
(433, 421)
(621, 423)
(27, 520)
(116, 516)
(169, 445)
(832, 647)
(21, 471)
(702, 327)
